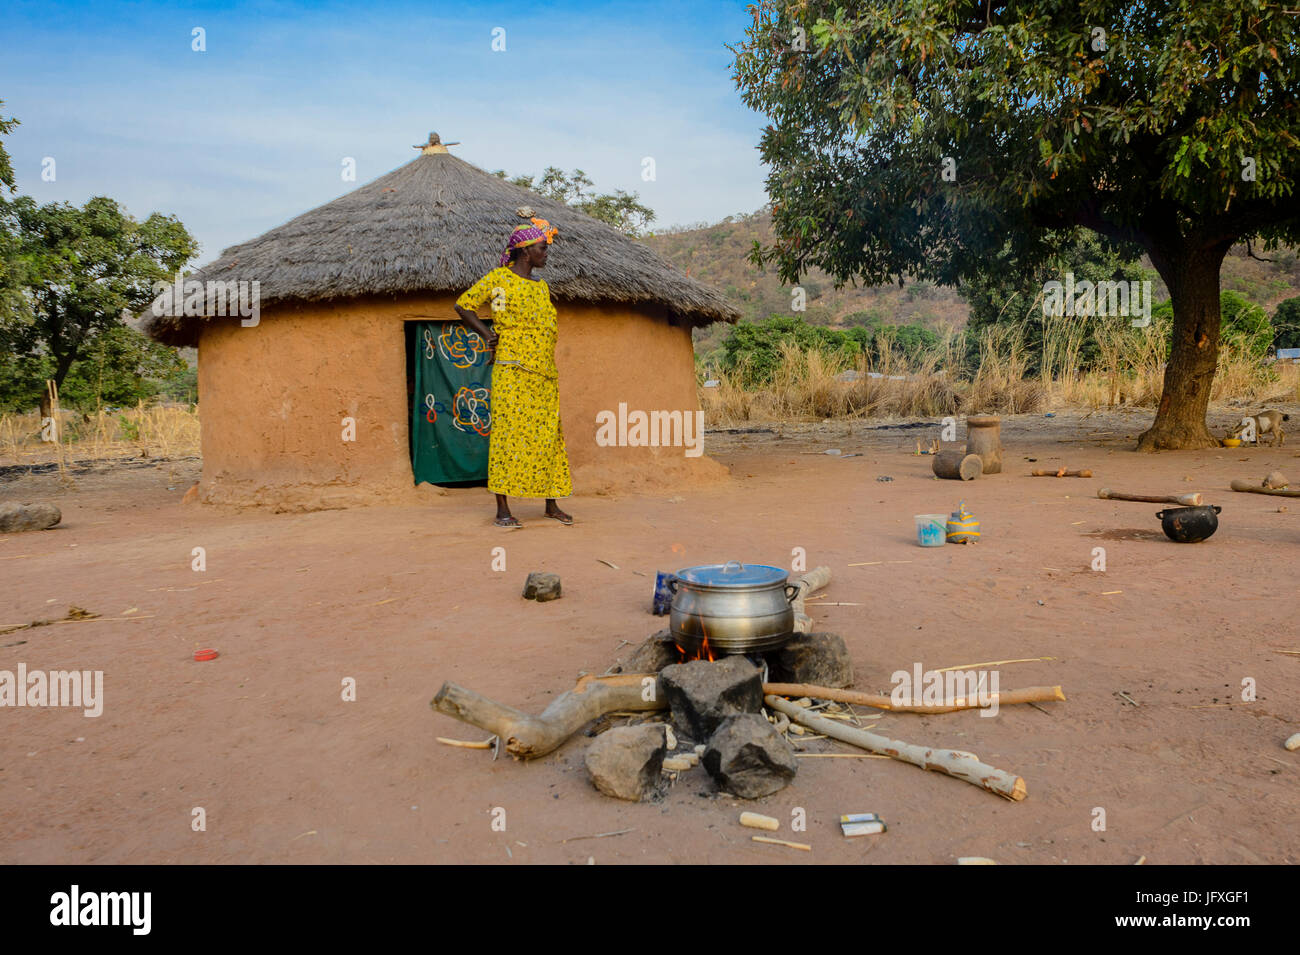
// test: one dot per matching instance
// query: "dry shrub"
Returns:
(1000, 384)
(158, 431)
(1129, 369)
(807, 385)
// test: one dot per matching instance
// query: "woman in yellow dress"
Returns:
(526, 454)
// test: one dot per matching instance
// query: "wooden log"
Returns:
(807, 583)
(1061, 473)
(960, 765)
(984, 437)
(1248, 488)
(956, 465)
(526, 736)
(1187, 500)
(1030, 694)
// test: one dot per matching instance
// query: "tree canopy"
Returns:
(951, 140)
(79, 268)
(623, 210)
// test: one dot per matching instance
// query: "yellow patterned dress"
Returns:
(526, 454)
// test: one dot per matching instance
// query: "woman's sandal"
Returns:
(561, 517)
(507, 522)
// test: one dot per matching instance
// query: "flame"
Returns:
(704, 652)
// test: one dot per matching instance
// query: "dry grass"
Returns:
(806, 385)
(1129, 370)
(1000, 383)
(157, 431)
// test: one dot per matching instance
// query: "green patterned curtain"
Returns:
(451, 410)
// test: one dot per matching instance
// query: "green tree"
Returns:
(10, 272)
(622, 210)
(6, 164)
(121, 366)
(1011, 292)
(81, 268)
(1286, 324)
(922, 138)
(754, 350)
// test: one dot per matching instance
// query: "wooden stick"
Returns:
(1030, 694)
(1249, 488)
(991, 663)
(1061, 473)
(527, 737)
(599, 835)
(465, 743)
(960, 765)
(781, 842)
(839, 756)
(1187, 500)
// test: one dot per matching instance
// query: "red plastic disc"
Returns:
(205, 654)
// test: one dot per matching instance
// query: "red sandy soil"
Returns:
(402, 599)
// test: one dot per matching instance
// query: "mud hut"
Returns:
(323, 344)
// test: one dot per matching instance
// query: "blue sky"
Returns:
(252, 132)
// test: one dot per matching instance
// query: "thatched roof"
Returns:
(438, 224)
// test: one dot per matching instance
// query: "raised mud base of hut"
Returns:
(309, 409)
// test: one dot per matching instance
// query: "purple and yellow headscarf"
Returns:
(528, 235)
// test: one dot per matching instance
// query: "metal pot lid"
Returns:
(733, 574)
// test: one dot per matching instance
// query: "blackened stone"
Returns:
(626, 762)
(818, 658)
(653, 654)
(542, 587)
(703, 693)
(748, 758)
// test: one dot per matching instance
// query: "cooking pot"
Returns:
(737, 608)
(1188, 525)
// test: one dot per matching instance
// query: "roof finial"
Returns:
(434, 145)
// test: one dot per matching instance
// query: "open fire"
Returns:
(702, 652)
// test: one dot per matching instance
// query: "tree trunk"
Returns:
(62, 365)
(1193, 279)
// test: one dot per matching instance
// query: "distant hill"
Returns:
(719, 255)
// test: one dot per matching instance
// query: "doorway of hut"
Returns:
(449, 389)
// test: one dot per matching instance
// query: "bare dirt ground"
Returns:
(402, 599)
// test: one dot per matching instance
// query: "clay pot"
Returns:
(1190, 525)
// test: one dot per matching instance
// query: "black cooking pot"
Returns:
(1188, 525)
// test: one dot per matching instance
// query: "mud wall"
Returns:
(272, 399)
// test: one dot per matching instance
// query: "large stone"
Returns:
(28, 517)
(748, 758)
(653, 654)
(703, 693)
(542, 587)
(818, 658)
(626, 762)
